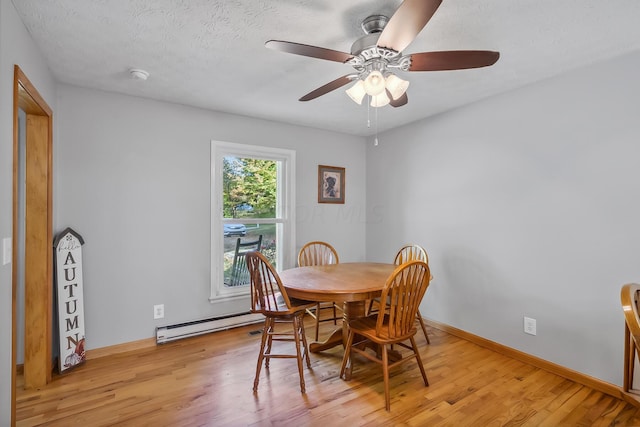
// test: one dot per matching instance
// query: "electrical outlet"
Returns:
(158, 311)
(529, 326)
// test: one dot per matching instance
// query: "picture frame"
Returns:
(331, 184)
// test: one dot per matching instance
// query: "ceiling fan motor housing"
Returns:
(374, 24)
(365, 43)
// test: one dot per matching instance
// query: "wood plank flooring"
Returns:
(208, 380)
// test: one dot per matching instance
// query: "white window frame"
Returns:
(285, 212)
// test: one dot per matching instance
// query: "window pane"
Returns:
(249, 188)
(260, 237)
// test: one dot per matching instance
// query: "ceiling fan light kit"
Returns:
(357, 92)
(380, 100)
(381, 90)
(396, 86)
(374, 84)
(379, 51)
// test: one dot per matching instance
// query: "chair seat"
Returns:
(366, 326)
(296, 308)
(297, 305)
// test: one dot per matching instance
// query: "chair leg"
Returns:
(261, 354)
(419, 360)
(297, 325)
(370, 308)
(385, 374)
(317, 321)
(303, 336)
(272, 326)
(628, 360)
(423, 326)
(346, 358)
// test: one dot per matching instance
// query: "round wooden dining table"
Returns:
(352, 283)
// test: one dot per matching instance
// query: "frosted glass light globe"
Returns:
(374, 84)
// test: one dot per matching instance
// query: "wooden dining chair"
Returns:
(410, 253)
(630, 297)
(404, 290)
(320, 253)
(270, 298)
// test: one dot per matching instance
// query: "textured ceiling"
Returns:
(211, 54)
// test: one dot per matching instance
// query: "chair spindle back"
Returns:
(317, 253)
(266, 287)
(411, 253)
(404, 291)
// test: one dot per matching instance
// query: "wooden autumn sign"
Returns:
(69, 291)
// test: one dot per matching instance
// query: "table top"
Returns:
(350, 281)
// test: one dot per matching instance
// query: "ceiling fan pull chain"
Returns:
(369, 112)
(375, 141)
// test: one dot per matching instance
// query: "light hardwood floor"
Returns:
(207, 381)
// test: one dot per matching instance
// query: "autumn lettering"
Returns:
(71, 304)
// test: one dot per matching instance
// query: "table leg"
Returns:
(352, 310)
(334, 339)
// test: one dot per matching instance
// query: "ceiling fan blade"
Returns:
(405, 24)
(333, 85)
(400, 101)
(307, 50)
(452, 60)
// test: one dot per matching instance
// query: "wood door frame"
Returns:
(38, 235)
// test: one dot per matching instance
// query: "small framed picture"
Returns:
(330, 184)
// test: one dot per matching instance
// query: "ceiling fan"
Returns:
(379, 51)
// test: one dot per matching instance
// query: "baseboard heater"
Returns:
(178, 331)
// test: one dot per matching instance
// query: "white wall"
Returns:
(16, 47)
(133, 178)
(528, 206)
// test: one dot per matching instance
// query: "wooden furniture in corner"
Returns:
(629, 298)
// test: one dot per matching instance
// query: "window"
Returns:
(252, 206)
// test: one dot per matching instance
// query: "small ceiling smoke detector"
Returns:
(139, 74)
